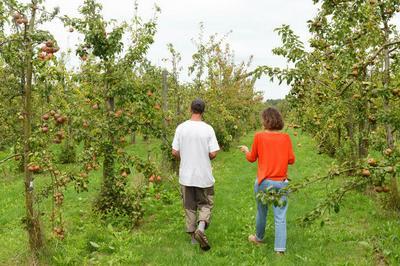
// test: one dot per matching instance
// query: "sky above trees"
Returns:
(252, 24)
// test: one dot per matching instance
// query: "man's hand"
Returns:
(176, 154)
(212, 155)
(243, 148)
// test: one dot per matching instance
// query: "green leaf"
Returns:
(110, 228)
(94, 244)
(336, 208)
(364, 244)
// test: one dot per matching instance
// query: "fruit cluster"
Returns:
(396, 92)
(34, 168)
(58, 198)
(59, 232)
(154, 178)
(59, 120)
(48, 50)
(382, 169)
(19, 18)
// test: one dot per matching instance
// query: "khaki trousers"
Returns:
(196, 199)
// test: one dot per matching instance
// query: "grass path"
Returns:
(348, 238)
(234, 216)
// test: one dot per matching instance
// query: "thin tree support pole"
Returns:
(165, 95)
(166, 162)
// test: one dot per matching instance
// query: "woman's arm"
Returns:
(252, 155)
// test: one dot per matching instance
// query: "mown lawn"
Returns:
(360, 234)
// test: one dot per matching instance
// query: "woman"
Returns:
(274, 153)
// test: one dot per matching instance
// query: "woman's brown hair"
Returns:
(272, 119)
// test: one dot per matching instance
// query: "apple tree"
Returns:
(26, 49)
(233, 104)
(115, 100)
(345, 92)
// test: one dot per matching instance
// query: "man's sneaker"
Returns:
(253, 239)
(201, 237)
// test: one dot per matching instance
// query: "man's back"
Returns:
(195, 140)
(195, 144)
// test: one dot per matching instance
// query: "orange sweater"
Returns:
(274, 152)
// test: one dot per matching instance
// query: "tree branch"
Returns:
(9, 158)
(379, 51)
(7, 41)
(369, 61)
(346, 87)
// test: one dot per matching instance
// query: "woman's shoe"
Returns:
(253, 239)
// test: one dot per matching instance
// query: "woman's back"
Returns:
(274, 152)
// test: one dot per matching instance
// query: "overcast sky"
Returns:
(251, 21)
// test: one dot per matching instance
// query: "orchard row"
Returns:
(114, 94)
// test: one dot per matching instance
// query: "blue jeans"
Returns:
(279, 215)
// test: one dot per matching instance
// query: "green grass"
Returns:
(357, 235)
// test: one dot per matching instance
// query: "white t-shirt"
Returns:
(195, 140)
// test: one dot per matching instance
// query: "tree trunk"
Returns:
(339, 136)
(108, 164)
(133, 137)
(363, 142)
(386, 82)
(363, 124)
(353, 142)
(32, 216)
(67, 154)
(395, 196)
(108, 197)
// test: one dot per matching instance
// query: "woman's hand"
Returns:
(243, 148)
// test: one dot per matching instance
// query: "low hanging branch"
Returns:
(332, 201)
(9, 158)
(362, 177)
(266, 199)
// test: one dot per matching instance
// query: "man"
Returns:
(195, 145)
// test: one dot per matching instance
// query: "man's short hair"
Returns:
(198, 106)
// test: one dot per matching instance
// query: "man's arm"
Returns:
(175, 145)
(213, 145)
(176, 154)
